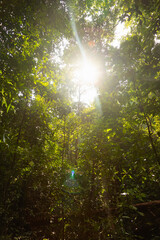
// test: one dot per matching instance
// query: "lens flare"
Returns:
(72, 173)
(86, 74)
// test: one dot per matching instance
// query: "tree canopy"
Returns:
(72, 169)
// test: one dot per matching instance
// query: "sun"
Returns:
(86, 72)
(86, 75)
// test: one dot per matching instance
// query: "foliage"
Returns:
(112, 145)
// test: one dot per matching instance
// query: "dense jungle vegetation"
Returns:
(71, 169)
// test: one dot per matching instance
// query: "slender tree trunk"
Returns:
(63, 155)
(149, 126)
(151, 140)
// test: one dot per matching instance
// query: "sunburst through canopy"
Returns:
(86, 75)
